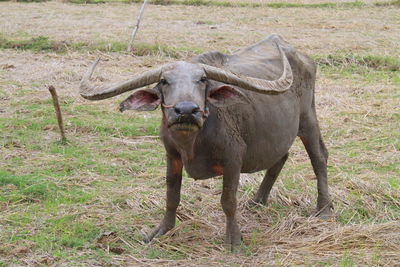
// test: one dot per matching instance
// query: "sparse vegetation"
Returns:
(89, 202)
(218, 3)
(40, 43)
(232, 4)
(385, 63)
(29, 1)
(343, 62)
(43, 43)
(369, 67)
(389, 3)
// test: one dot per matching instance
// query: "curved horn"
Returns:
(254, 84)
(88, 91)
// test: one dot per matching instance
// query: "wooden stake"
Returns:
(136, 26)
(58, 112)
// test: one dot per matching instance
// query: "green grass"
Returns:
(37, 187)
(54, 185)
(371, 68)
(385, 63)
(346, 261)
(65, 231)
(64, 196)
(40, 43)
(389, 3)
(45, 44)
(26, 1)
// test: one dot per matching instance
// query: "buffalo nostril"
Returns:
(186, 108)
(177, 110)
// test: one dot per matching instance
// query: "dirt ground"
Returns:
(123, 173)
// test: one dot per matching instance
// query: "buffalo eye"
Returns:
(163, 82)
(203, 79)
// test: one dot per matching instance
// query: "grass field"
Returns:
(88, 202)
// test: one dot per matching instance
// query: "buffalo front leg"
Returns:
(262, 194)
(174, 181)
(233, 236)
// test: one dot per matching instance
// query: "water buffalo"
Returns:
(226, 115)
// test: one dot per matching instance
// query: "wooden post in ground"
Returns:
(58, 112)
(136, 26)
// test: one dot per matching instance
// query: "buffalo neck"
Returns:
(182, 141)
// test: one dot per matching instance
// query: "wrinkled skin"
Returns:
(241, 132)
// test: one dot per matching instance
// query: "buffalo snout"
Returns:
(186, 116)
(186, 108)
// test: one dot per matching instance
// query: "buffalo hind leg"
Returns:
(174, 181)
(230, 182)
(262, 194)
(310, 135)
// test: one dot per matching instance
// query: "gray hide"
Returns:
(214, 128)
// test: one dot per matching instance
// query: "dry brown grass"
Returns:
(302, 1)
(357, 116)
(315, 31)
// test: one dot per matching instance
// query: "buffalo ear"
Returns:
(225, 95)
(142, 100)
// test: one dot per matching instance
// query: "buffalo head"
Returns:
(183, 90)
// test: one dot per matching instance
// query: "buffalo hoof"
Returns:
(233, 239)
(158, 231)
(234, 245)
(325, 213)
(254, 202)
